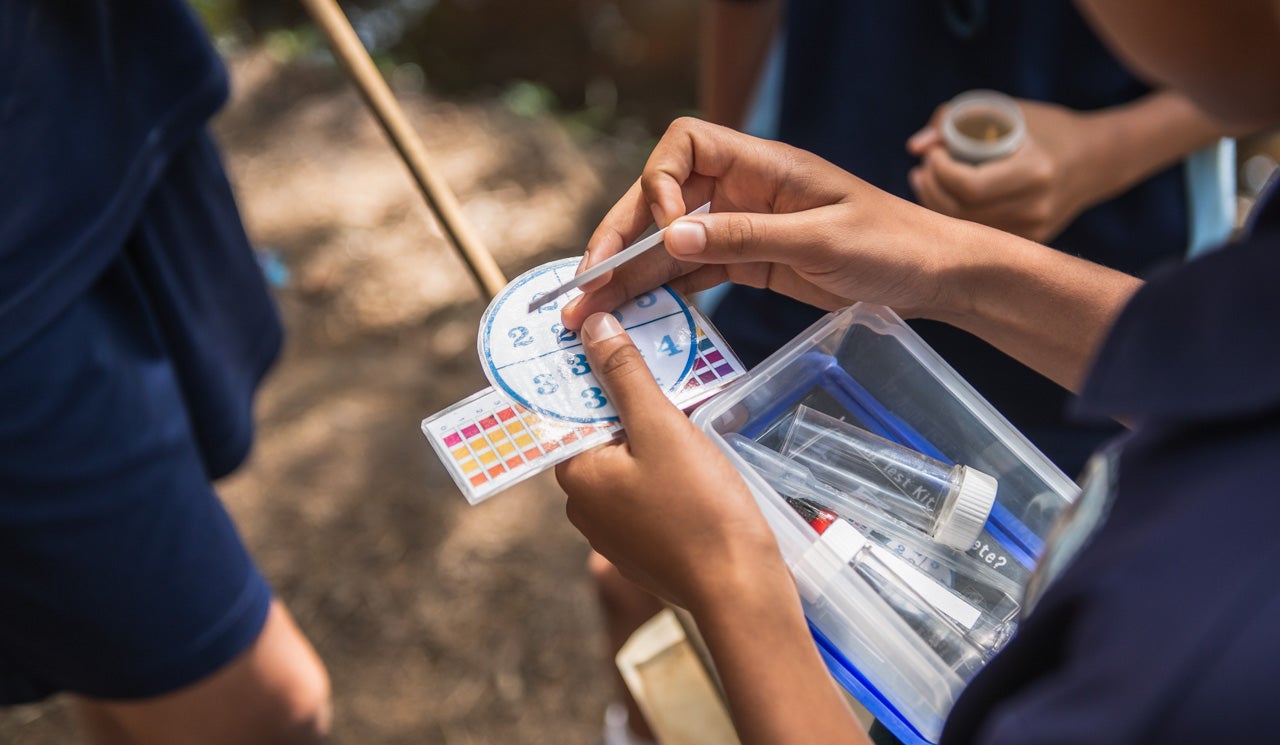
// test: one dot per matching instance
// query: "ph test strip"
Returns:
(488, 442)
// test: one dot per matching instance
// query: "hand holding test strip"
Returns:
(545, 403)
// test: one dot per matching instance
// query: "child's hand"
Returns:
(780, 218)
(787, 220)
(1035, 192)
(665, 506)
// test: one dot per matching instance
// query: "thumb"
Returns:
(929, 135)
(628, 383)
(923, 140)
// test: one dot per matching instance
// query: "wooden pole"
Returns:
(377, 94)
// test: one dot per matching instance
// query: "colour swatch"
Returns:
(711, 366)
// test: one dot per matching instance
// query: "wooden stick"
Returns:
(377, 94)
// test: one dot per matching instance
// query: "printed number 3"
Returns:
(578, 364)
(563, 334)
(546, 384)
(595, 398)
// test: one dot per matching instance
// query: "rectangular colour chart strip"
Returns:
(488, 443)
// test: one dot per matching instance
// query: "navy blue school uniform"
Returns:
(134, 328)
(861, 76)
(1159, 619)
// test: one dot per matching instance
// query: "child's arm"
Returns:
(787, 220)
(735, 43)
(669, 510)
(1070, 161)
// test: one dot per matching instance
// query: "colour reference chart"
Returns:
(538, 363)
(487, 442)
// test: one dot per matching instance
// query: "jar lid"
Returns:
(1002, 116)
(961, 525)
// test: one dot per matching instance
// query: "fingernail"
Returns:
(918, 138)
(572, 305)
(601, 326)
(686, 237)
(658, 217)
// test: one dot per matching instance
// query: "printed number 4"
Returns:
(595, 398)
(668, 346)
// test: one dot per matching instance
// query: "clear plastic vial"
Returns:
(977, 599)
(959, 634)
(949, 504)
(941, 633)
(982, 125)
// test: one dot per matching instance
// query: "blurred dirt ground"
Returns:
(440, 622)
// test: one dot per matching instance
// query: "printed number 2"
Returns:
(577, 364)
(595, 398)
(669, 347)
(520, 337)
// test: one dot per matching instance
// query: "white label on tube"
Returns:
(927, 587)
(826, 558)
(844, 539)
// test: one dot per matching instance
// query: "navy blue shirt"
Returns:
(861, 76)
(135, 326)
(103, 114)
(95, 96)
(1163, 627)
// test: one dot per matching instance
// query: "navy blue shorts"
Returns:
(121, 575)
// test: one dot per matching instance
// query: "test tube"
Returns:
(944, 637)
(949, 504)
(977, 602)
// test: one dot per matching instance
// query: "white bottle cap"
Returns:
(962, 520)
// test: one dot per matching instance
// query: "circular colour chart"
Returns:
(539, 364)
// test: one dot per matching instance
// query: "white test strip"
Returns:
(840, 542)
(928, 588)
(609, 264)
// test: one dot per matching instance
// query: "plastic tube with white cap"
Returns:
(949, 504)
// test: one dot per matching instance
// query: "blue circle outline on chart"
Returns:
(551, 266)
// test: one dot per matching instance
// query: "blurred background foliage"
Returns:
(624, 67)
(598, 65)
